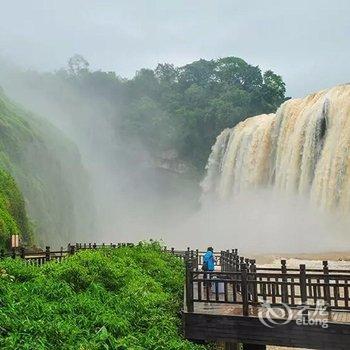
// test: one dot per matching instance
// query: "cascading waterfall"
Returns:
(302, 149)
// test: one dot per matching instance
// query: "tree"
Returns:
(235, 71)
(199, 72)
(169, 108)
(274, 88)
(166, 73)
(77, 64)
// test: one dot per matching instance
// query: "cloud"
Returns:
(305, 42)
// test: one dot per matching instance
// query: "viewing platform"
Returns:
(242, 303)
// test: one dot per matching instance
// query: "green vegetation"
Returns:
(125, 298)
(39, 158)
(13, 218)
(180, 109)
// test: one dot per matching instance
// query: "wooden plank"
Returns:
(250, 330)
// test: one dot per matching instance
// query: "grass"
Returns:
(125, 298)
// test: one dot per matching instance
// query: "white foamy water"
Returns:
(302, 149)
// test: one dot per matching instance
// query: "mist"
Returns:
(133, 199)
(264, 222)
(137, 198)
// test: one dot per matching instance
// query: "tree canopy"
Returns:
(181, 109)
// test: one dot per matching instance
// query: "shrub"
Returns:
(125, 298)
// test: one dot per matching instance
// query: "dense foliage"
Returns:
(173, 108)
(13, 217)
(38, 157)
(125, 298)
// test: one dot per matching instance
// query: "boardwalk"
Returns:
(233, 308)
(245, 303)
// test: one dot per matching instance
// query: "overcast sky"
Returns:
(306, 41)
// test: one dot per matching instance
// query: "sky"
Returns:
(305, 41)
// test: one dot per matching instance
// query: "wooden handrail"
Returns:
(250, 288)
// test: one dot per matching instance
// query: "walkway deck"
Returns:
(214, 308)
(231, 311)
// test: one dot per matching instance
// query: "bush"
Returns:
(125, 298)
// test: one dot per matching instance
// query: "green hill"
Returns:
(47, 168)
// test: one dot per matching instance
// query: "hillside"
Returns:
(47, 168)
(125, 298)
(13, 217)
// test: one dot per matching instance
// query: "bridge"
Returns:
(246, 306)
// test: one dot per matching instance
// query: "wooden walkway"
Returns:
(256, 306)
(214, 308)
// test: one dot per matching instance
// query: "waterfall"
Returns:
(303, 149)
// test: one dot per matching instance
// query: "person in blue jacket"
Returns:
(209, 260)
(208, 265)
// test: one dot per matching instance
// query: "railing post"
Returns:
(47, 253)
(172, 251)
(284, 282)
(326, 288)
(244, 289)
(303, 291)
(187, 256)
(94, 246)
(22, 252)
(222, 261)
(233, 260)
(189, 286)
(71, 250)
(254, 282)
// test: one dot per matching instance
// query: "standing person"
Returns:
(209, 260)
(208, 266)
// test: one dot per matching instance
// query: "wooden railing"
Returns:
(237, 280)
(41, 257)
(243, 283)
